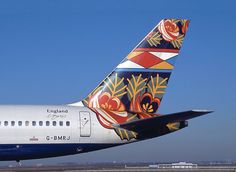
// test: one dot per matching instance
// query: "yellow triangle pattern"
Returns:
(162, 65)
(133, 54)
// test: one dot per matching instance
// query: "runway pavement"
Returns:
(115, 169)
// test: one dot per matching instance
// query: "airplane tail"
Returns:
(135, 88)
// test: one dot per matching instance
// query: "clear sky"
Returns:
(56, 52)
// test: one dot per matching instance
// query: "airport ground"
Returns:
(115, 169)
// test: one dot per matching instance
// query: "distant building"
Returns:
(153, 166)
(177, 165)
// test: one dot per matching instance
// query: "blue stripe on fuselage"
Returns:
(35, 151)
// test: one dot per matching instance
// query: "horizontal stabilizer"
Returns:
(140, 125)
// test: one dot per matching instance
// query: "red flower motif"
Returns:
(146, 105)
(169, 30)
(110, 110)
(149, 104)
(106, 102)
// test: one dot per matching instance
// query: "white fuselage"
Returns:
(27, 128)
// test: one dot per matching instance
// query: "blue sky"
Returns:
(56, 52)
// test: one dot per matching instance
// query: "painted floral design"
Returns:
(106, 102)
(127, 95)
(169, 30)
(145, 105)
(110, 110)
(125, 99)
(149, 104)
